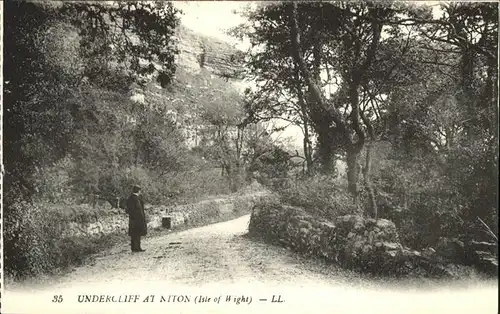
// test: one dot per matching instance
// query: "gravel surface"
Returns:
(219, 260)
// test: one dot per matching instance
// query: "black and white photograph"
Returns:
(249, 157)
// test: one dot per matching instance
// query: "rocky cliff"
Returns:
(201, 61)
(207, 73)
(199, 51)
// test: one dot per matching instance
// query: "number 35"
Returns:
(57, 299)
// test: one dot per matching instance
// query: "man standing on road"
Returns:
(137, 220)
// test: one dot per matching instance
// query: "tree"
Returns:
(135, 37)
(121, 40)
(34, 93)
(356, 42)
(337, 40)
(280, 92)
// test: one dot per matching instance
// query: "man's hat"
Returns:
(136, 188)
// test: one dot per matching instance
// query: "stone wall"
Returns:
(351, 241)
(101, 223)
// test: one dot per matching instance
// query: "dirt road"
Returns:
(217, 262)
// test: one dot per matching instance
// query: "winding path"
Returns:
(218, 260)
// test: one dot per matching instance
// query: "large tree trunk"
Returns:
(355, 148)
(356, 77)
(322, 115)
(306, 142)
(325, 147)
(319, 101)
(353, 172)
(307, 148)
(467, 95)
(320, 108)
(239, 146)
(372, 210)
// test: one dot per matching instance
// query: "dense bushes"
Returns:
(426, 200)
(58, 184)
(33, 244)
(319, 195)
(25, 247)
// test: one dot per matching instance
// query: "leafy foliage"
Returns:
(321, 196)
(422, 83)
(138, 37)
(45, 93)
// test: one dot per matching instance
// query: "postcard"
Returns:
(249, 157)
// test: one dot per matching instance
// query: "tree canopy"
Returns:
(358, 73)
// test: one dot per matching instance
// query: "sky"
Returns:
(211, 18)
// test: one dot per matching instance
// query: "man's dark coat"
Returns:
(136, 217)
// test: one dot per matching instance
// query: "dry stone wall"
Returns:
(98, 224)
(367, 245)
